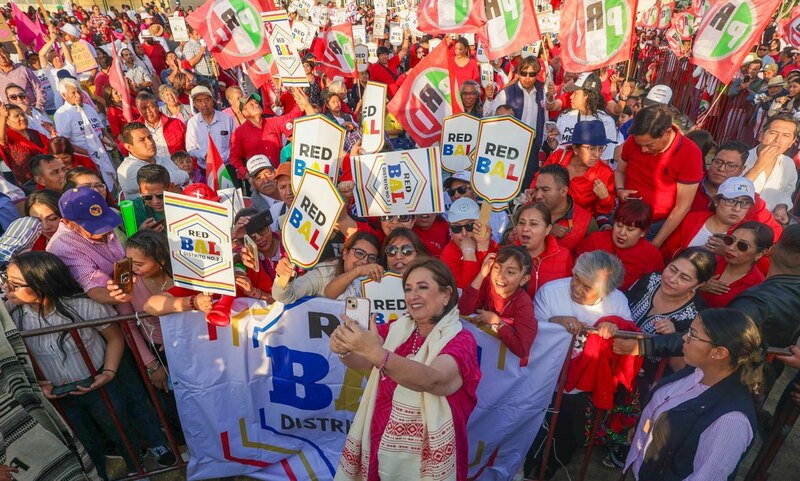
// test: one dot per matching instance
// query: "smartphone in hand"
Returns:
(357, 309)
(123, 274)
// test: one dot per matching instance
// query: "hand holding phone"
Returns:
(123, 274)
(357, 309)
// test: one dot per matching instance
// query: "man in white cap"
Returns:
(261, 173)
(459, 185)
(207, 121)
(72, 34)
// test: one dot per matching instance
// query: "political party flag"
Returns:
(120, 83)
(665, 15)
(683, 23)
(700, 7)
(596, 34)
(451, 16)
(28, 31)
(674, 41)
(791, 27)
(649, 17)
(339, 57)
(510, 25)
(217, 175)
(726, 34)
(232, 29)
(426, 97)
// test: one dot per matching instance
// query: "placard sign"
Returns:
(311, 219)
(82, 57)
(373, 115)
(178, 27)
(480, 54)
(281, 44)
(304, 7)
(379, 26)
(338, 15)
(459, 137)
(380, 7)
(531, 50)
(372, 48)
(487, 74)
(504, 144)
(199, 235)
(399, 182)
(395, 34)
(362, 56)
(300, 30)
(317, 145)
(386, 297)
(359, 34)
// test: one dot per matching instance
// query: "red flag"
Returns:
(120, 83)
(592, 39)
(451, 16)
(217, 176)
(791, 28)
(726, 34)
(509, 29)
(232, 29)
(28, 31)
(339, 57)
(426, 97)
(261, 70)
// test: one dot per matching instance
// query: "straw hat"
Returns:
(156, 29)
(776, 81)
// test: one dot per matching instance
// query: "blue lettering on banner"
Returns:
(482, 165)
(284, 381)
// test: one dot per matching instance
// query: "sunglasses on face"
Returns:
(528, 74)
(396, 218)
(456, 229)
(17, 97)
(149, 197)
(360, 254)
(460, 190)
(741, 245)
(405, 249)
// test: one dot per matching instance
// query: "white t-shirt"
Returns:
(778, 187)
(566, 124)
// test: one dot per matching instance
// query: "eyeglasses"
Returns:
(528, 74)
(456, 229)
(594, 149)
(360, 254)
(460, 190)
(724, 166)
(730, 240)
(149, 197)
(11, 286)
(17, 97)
(690, 335)
(743, 203)
(396, 218)
(405, 249)
(469, 93)
(95, 186)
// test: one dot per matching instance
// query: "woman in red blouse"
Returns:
(18, 143)
(464, 68)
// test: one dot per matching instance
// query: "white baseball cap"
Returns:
(200, 90)
(258, 163)
(661, 94)
(71, 29)
(737, 187)
(462, 175)
(463, 208)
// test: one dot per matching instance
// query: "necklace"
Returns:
(414, 347)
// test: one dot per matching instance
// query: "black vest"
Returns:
(676, 433)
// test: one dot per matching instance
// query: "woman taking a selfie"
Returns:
(425, 362)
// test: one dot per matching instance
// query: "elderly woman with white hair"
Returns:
(580, 301)
(72, 119)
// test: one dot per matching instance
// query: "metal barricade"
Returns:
(122, 320)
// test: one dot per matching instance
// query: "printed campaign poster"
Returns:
(281, 44)
(178, 27)
(504, 144)
(317, 145)
(397, 183)
(386, 297)
(373, 116)
(459, 137)
(199, 235)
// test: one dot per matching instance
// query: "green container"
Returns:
(128, 217)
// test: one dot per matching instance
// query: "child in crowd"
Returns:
(186, 163)
(153, 180)
(499, 297)
(782, 215)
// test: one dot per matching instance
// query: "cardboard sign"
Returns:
(433, 43)
(362, 56)
(504, 144)
(373, 115)
(324, 16)
(399, 182)
(199, 235)
(487, 74)
(281, 44)
(6, 35)
(359, 34)
(311, 219)
(459, 138)
(317, 145)
(82, 57)
(300, 30)
(386, 297)
(178, 27)
(379, 26)
(395, 34)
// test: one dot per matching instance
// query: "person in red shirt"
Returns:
(730, 162)
(261, 135)
(463, 67)
(626, 241)
(258, 284)
(549, 260)
(170, 129)
(591, 181)
(385, 70)
(497, 297)
(737, 270)
(571, 222)
(471, 242)
(660, 166)
(433, 232)
(155, 51)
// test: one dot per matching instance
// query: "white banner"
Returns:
(373, 115)
(266, 398)
(397, 183)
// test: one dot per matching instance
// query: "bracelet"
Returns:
(620, 188)
(151, 370)
(342, 356)
(193, 304)
(382, 369)
(109, 370)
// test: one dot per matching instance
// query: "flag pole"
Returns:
(721, 93)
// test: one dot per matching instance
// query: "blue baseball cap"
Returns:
(88, 209)
(589, 132)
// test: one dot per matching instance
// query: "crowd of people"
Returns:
(630, 219)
